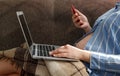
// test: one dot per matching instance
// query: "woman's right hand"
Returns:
(81, 21)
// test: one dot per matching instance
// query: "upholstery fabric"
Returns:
(50, 21)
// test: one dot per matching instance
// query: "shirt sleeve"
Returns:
(109, 61)
(105, 62)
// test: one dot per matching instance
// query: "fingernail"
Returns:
(76, 14)
(54, 55)
(50, 53)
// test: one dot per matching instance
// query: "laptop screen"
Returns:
(25, 28)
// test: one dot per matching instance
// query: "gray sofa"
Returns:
(49, 20)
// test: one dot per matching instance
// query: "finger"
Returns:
(53, 52)
(61, 47)
(80, 23)
(75, 15)
(76, 20)
(78, 12)
(61, 55)
(59, 50)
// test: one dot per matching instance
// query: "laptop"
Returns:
(37, 51)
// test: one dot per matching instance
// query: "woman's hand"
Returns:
(81, 21)
(71, 52)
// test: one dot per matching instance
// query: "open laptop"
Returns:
(37, 51)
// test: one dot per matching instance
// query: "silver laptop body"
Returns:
(37, 51)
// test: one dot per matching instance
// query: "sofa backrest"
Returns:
(49, 20)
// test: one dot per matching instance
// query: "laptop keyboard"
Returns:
(43, 50)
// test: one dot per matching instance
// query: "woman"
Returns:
(100, 48)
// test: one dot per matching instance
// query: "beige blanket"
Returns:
(41, 67)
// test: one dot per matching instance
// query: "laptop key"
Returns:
(33, 50)
(41, 48)
(50, 49)
(47, 51)
(38, 50)
(45, 54)
(53, 48)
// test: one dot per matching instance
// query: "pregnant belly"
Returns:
(81, 44)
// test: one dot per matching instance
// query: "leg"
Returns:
(8, 69)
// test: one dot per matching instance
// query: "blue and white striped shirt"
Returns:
(105, 44)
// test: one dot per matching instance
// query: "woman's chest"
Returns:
(81, 44)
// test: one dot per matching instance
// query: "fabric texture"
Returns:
(49, 68)
(105, 44)
(31, 67)
(49, 21)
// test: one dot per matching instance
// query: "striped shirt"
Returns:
(105, 44)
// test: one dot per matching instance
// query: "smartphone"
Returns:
(73, 9)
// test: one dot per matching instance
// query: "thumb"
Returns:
(78, 12)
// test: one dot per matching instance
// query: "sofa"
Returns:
(49, 21)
